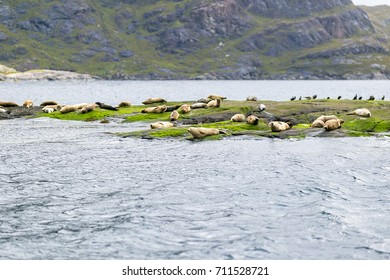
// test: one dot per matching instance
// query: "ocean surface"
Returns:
(73, 190)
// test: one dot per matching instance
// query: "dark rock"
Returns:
(126, 54)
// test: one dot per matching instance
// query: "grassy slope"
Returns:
(53, 53)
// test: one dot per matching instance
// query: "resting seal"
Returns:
(157, 110)
(68, 108)
(251, 98)
(185, 108)
(8, 104)
(238, 118)
(201, 132)
(279, 126)
(49, 102)
(2, 110)
(252, 120)
(104, 106)
(199, 105)
(54, 107)
(214, 97)
(174, 116)
(48, 110)
(364, 112)
(172, 108)
(162, 125)
(333, 124)
(124, 104)
(318, 123)
(88, 108)
(327, 118)
(215, 103)
(154, 100)
(28, 104)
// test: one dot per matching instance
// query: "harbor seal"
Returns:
(105, 106)
(88, 108)
(28, 103)
(174, 116)
(2, 110)
(48, 110)
(279, 126)
(333, 124)
(251, 98)
(172, 108)
(199, 105)
(124, 104)
(54, 107)
(201, 132)
(156, 110)
(238, 118)
(326, 118)
(262, 107)
(185, 108)
(318, 123)
(154, 100)
(157, 125)
(8, 104)
(364, 112)
(252, 120)
(214, 97)
(48, 102)
(215, 103)
(68, 109)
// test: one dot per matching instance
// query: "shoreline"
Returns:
(299, 113)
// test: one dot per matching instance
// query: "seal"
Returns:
(198, 105)
(157, 125)
(252, 120)
(2, 110)
(172, 108)
(333, 124)
(48, 110)
(364, 112)
(174, 116)
(238, 118)
(54, 107)
(154, 100)
(279, 126)
(28, 104)
(214, 97)
(204, 100)
(251, 98)
(262, 107)
(68, 109)
(156, 110)
(202, 132)
(185, 108)
(318, 123)
(105, 106)
(124, 104)
(215, 103)
(326, 118)
(8, 104)
(48, 102)
(88, 108)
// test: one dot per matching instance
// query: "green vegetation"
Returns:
(300, 113)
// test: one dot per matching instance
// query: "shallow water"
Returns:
(72, 190)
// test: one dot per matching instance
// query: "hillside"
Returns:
(202, 39)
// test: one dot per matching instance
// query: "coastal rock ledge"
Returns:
(11, 75)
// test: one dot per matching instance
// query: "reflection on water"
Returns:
(70, 190)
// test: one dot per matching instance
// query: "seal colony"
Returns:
(319, 117)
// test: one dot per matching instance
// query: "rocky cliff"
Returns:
(202, 39)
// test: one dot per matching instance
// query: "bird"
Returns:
(371, 98)
(261, 107)
(293, 98)
(314, 96)
(308, 97)
(328, 97)
(383, 97)
(300, 97)
(339, 97)
(360, 98)
(355, 97)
